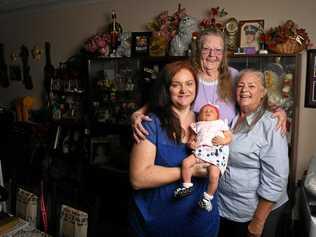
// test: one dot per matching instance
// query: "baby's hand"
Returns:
(218, 141)
(192, 144)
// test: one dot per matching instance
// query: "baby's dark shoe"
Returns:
(182, 192)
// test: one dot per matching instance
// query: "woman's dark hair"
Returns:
(160, 101)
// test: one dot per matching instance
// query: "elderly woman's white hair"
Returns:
(257, 73)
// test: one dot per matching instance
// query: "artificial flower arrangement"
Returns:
(286, 38)
(98, 44)
(213, 19)
(165, 25)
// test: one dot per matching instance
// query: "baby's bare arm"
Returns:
(218, 140)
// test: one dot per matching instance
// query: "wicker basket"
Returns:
(289, 47)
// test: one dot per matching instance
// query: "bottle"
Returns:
(49, 70)
(115, 30)
(4, 78)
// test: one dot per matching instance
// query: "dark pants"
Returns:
(240, 229)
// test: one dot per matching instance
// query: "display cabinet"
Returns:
(66, 94)
(113, 86)
(113, 94)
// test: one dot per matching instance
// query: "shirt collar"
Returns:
(249, 118)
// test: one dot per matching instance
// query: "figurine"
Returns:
(115, 30)
(181, 42)
(124, 49)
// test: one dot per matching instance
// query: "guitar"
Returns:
(27, 79)
(4, 78)
(49, 70)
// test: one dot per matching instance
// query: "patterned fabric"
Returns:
(216, 155)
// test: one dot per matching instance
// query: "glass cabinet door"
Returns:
(113, 89)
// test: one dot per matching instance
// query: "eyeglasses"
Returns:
(212, 51)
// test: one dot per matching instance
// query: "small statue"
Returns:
(181, 42)
(124, 49)
(115, 30)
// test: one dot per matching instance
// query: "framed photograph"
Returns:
(249, 34)
(310, 91)
(102, 149)
(140, 43)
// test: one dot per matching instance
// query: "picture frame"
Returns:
(100, 150)
(310, 90)
(249, 32)
(140, 43)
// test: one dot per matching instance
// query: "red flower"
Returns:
(211, 21)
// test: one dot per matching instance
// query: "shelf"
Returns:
(261, 55)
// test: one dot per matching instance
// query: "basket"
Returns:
(291, 46)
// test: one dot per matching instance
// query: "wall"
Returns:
(66, 26)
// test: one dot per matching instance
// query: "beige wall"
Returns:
(66, 26)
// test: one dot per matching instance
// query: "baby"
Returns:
(209, 139)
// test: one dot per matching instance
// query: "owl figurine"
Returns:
(181, 42)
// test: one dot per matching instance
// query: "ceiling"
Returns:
(8, 6)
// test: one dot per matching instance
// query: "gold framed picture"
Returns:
(249, 32)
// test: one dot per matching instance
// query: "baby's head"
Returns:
(208, 112)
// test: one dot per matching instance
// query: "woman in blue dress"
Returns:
(155, 163)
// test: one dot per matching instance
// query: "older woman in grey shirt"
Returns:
(253, 190)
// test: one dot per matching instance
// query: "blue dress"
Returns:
(156, 213)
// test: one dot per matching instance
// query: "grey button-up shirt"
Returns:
(258, 165)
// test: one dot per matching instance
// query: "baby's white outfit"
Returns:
(206, 151)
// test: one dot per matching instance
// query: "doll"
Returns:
(209, 140)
